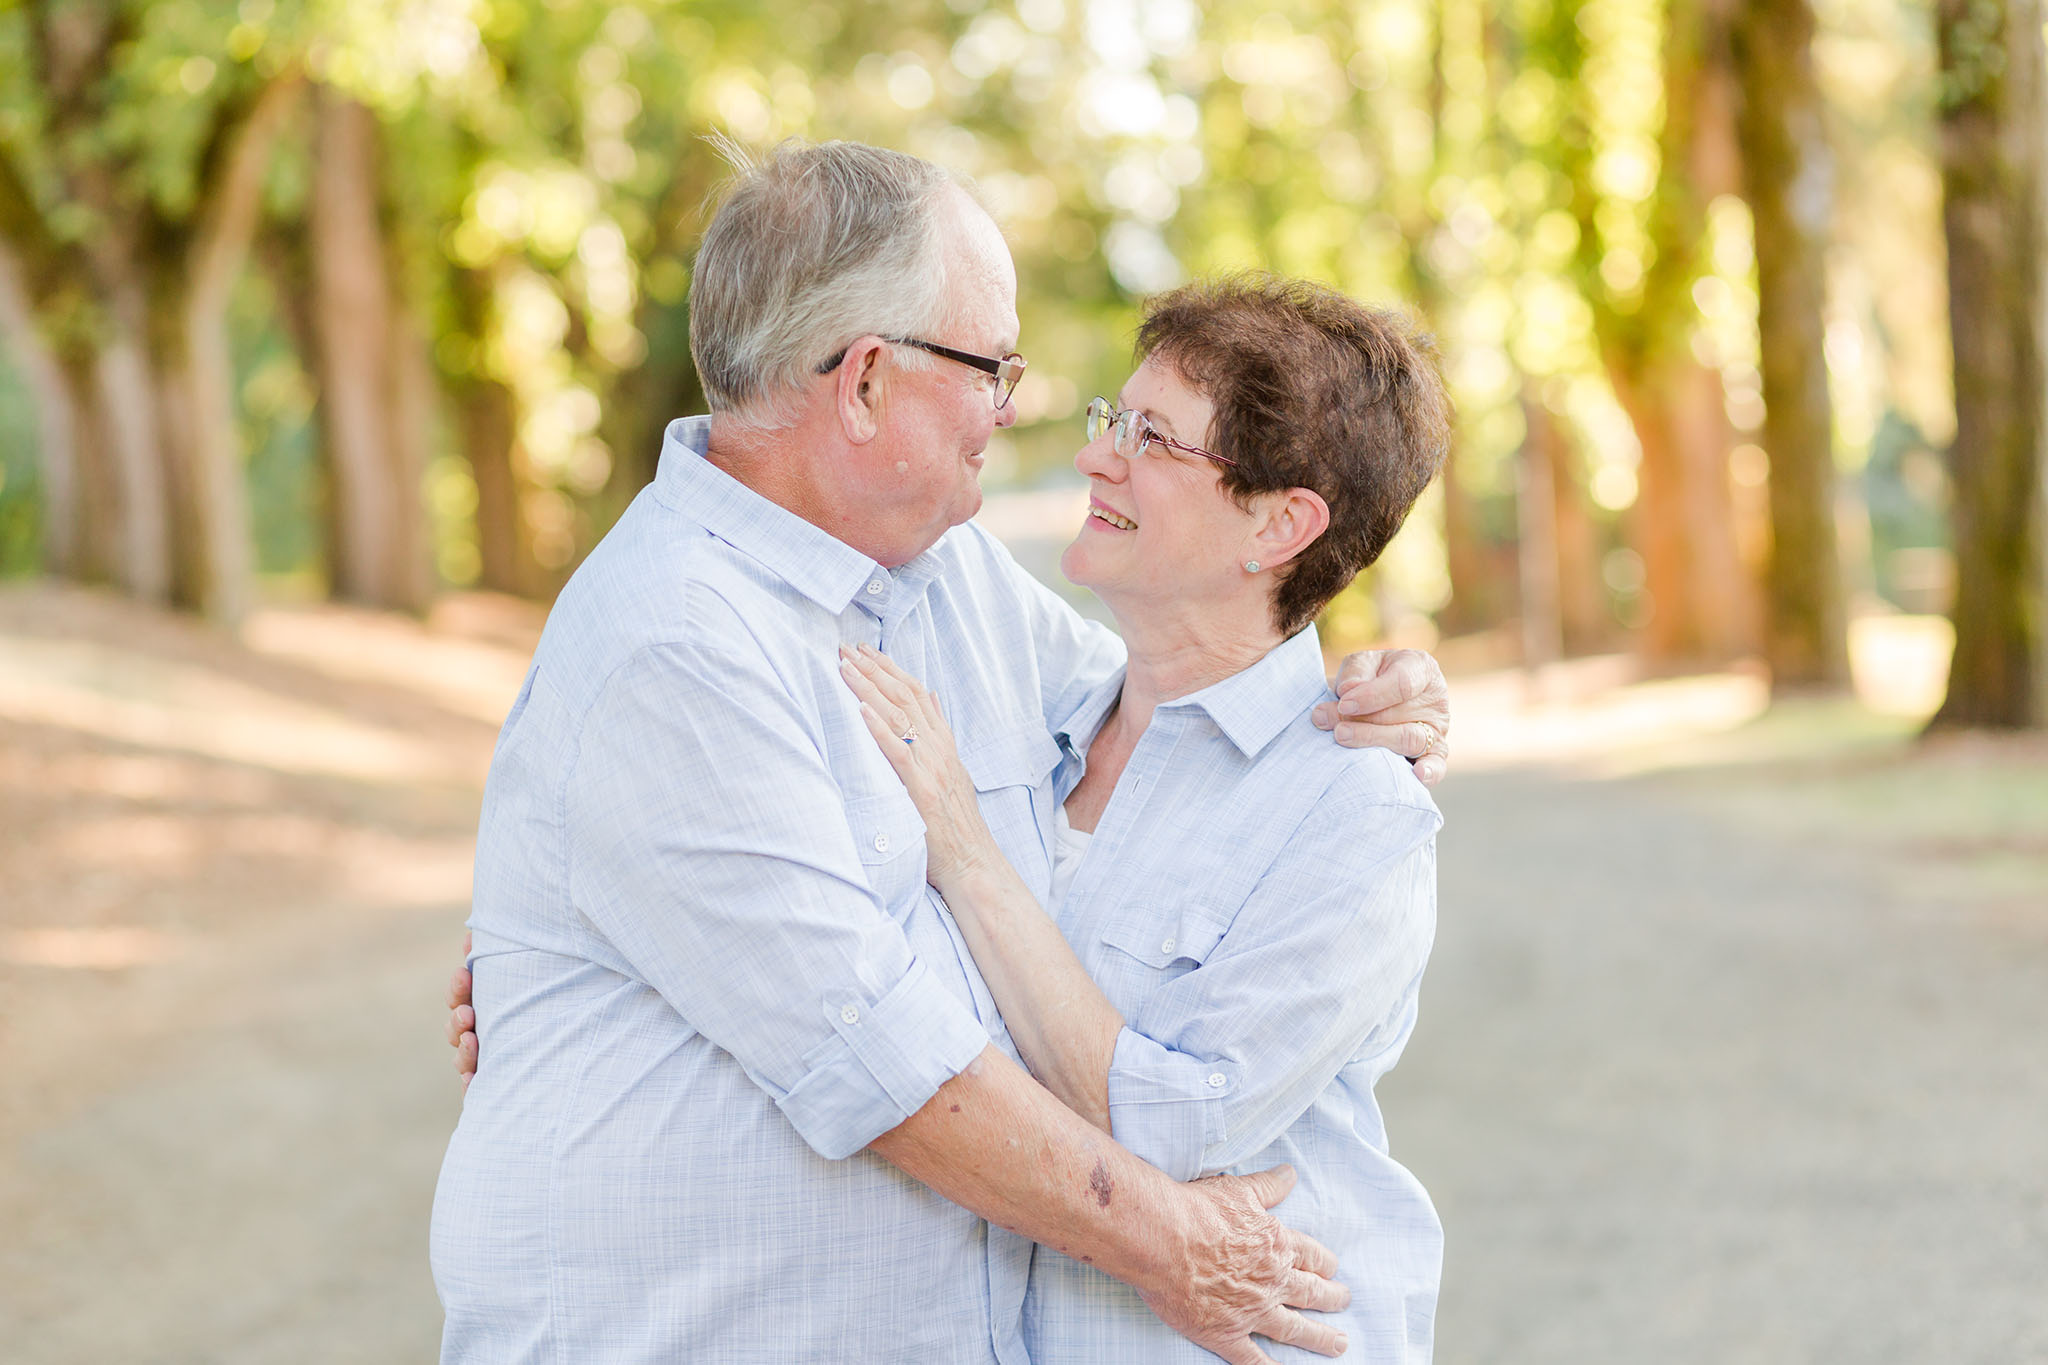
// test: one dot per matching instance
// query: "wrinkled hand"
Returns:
(1393, 699)
(1250, 1274)
(896, 705)
(462, 1020)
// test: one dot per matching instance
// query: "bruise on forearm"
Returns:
(1205, 1257)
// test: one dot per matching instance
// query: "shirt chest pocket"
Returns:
(1150, 950)
(1012, 774)
(888, 836)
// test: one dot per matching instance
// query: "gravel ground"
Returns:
(1688, 1086)
(1685, 1092)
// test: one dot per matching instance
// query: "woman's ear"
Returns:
(861, 390)
(1289, 523)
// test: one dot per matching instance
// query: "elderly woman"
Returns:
(1240, 909)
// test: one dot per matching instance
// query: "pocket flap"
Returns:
(885, 826)
(1161, 940)
(1022, 755)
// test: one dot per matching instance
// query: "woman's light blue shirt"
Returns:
(1258, 903)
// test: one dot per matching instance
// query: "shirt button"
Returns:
(1167, 946)
(852, 1015)
(881, 843)
(1215, 1077)
(874, 587)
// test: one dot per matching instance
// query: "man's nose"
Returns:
(1006, 415)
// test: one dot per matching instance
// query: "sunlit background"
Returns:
(333, 334)
(521, 203)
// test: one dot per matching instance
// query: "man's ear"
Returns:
(862, 389)
(1289, 522)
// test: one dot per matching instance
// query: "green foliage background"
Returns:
(1495, 166)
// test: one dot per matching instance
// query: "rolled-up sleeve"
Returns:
(1318, 969)
(883, 1061)
(1166, 1106)
(709, 844)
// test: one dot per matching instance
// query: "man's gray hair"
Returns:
(814, 247)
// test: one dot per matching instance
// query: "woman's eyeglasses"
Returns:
(1003, 371)
(1133, 432)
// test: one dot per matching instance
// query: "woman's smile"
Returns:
(1107, 516)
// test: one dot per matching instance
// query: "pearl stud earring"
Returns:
(1251, 566)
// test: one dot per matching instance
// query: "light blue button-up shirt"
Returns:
(1258, 904)
(708, 971)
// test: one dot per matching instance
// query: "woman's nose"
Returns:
(1099, 459)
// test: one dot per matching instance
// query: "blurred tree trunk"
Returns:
(371, 412)
(1787, 177)
(93, 305)
(1472, 604)
(488, 416)
(1993, 117)
(1536, 534)
(1560, 554)
(415, 405)
(1684, 517)
(135, 314)
(121, 392)
(56, 418)
(1583, 615)
(1470, 607)
(645, 399)
(663, 386)
(487, 422)
(196, 274)
(1549, 39)
(1702, 604)
(122, 538)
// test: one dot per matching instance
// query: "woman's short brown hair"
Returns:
(1311, 390)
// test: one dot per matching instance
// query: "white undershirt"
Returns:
(1068, 846)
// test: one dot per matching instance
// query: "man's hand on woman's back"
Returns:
(1393, 699)
(462, 1019)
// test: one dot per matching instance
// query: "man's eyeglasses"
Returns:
(1133, 432)
(1003, 371)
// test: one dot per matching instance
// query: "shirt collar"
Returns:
(1087, 718)
(820, 566)
(1253, 706)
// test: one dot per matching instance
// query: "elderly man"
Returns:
(744, 1095)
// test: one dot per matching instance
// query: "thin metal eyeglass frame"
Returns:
(1103, 414)
(1006, 370)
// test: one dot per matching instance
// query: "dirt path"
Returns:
(232, 881)
(1689, 1092)
(1689, 1087)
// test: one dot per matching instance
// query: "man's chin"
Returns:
(970, 500)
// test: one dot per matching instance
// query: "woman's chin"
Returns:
(1074, 561)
